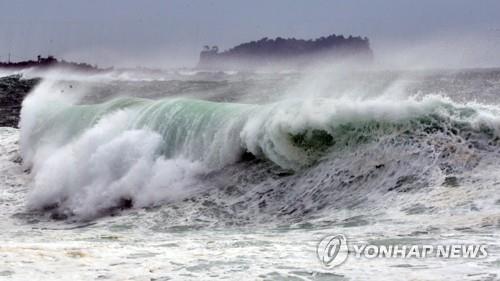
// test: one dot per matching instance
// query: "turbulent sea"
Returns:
(186, 175)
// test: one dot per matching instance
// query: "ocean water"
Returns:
(187, 175)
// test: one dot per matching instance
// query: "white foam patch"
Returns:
(153, 151)
(107, 164)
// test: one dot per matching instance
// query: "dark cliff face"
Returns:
(287, 52)
(13, 89)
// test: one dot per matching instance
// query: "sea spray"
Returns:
(86, 159)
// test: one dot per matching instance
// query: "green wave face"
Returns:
(290, 134)
(86, 159)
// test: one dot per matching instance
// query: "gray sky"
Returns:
(171, 33)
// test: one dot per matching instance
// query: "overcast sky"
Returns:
(171, 33)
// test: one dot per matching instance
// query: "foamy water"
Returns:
(109, 179)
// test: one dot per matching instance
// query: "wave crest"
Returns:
(87, 159)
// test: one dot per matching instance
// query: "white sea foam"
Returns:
(380, 166)
(87, 159)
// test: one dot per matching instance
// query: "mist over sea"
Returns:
(210, 175)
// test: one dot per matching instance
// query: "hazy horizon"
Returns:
(444, 33)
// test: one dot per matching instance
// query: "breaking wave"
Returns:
(87, 159)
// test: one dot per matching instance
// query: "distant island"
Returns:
(50, 62)
(289, 52)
